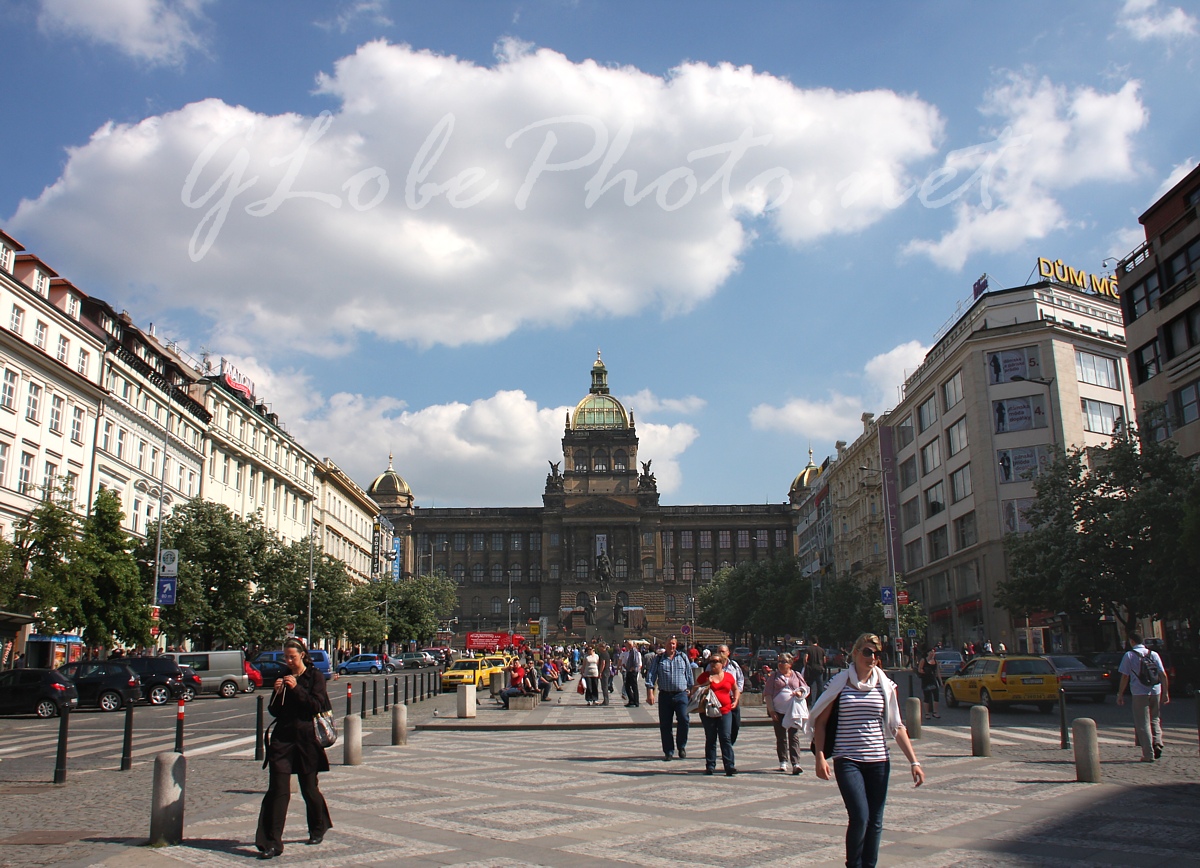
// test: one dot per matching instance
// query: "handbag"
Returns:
(712, 705)
(326, 729)
(696, 699)
(580, 689)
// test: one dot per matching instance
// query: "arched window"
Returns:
(581, 599)
(535, 572)
(476, 605)
(497, 573)
(621, 568)
(622, 598)
(581, 461)
(600, 460)
(620, 460)
(581, 569)
(535, 605)
(671, 606)
(725, 565)
(496, 606)
(476, 572)
(688, 571)
(705, 571)
(514, 572)
(668, 572)
(647, 569)
(460, 573)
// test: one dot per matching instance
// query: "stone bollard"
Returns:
(352, 740)
(496, 684)
(399, 724)
(912, 716)
(167, 799)
(981, 731)
(1087, 750)
(466, 700)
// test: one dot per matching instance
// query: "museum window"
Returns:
(535, 541)
(477, 542)
(515, 541)
(476, 572)
(476, 605)
(781, 537)
(555, 572)
(535, 572)
(515, 573)
(497, 573)
(460, 573)
(535, 606)
(743, 539)
(670, 606)
(685, 539)
(688, 572)
(460, 542)
(497, 606)
(668, 572)
(723, 539)
(668, 540)
(581, 569)
(706, 572)
(555, 539)
(497, 542)
(621, 568)
(648, 569)
(580, 461)
(600, 460)
(620, 460)
(706, 539)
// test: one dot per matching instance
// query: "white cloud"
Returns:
(150, 31)
(1047, 139)
(1146, 19)
(348, 15)
(646, 403)
(839, 416)
(466, 243)
(1176, 175)
(489, 452)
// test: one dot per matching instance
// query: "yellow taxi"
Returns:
(477, 671)
(994, 682)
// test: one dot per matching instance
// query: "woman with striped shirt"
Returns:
(863, 701)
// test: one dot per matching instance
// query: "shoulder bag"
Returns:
(326, 729)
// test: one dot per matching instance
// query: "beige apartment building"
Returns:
(346, 524)
(1160, 299)
(1021, 375)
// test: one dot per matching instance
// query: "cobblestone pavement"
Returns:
(566, 785)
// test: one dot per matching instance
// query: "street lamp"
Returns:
(891, 566)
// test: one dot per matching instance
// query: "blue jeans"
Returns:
(864, 790)
(718, 729)
(673, 706)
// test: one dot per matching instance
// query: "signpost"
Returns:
(902, 598)
(685, 629)
(168, 577)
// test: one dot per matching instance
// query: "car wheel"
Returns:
(390, 669)
(951, 699)
(188, 694)
(159, 694)
(229, 689)
(985, 699)
(46, 708)
(343, 672)
(374, 670)
(110, 701)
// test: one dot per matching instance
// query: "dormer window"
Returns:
(73, 306)
(41, 283)
(6, 257)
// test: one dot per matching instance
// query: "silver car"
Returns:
(948, 662)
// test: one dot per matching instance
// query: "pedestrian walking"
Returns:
(850, 724)
(718, 727)
(671, 674)
(1143, 673)
(632, 665)
(931, 681)
(606, 670)
(814, 668)
(292, 749)
(591, 676)
(731, 666)
(785, 697)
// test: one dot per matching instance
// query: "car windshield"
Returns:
(1068, 663)
(1028, 667)
(465, 664)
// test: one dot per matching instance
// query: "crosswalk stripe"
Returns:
(213, 748)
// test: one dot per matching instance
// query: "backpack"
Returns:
(1149, 672)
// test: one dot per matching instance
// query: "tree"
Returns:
(119, 603)
(1108, 535)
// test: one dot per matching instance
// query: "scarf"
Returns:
(876, 678)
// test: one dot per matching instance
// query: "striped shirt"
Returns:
(860, 726)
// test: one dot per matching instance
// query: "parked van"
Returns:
(319, 657)
(221, 672)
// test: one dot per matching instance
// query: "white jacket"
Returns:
(891, 705)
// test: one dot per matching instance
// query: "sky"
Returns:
(414, 225)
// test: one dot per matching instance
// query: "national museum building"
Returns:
(600, 528)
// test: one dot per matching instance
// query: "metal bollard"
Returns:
(399, 724)
(1087, 751)
(60, 759)
(363, 713)
(374, 698)
(406, 683)
(912, 716)
(260, 745)
(179, 728)
(167, 800)
(1064, 736)
(349, 699)
(981, 731)
(420, 686)
(352, 741)
(127, 741)
(385, 693)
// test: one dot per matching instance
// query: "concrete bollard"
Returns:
(981, 731)
(167, 800)
(466, 700)
(352, 740)
(912, 716)
(1087, 750)
(399, 724)
(496, 684)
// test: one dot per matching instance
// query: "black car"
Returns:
(191, 683)
(44, 692)
(271, 671)
(162, 679)
(107, 685)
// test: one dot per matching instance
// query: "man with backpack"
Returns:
(1142, 671)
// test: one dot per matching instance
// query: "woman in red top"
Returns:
(723, 686)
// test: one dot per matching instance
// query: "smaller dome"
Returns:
(805, 477)
(389, 483)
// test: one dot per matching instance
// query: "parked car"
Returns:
(319, 658)
(415, 660)
(192, 683)
(1078, 680)
(742, 656)
(948, 662)
(477, 671)
(765, 657)
(270, 671)
(1109, 661)
(440, 654)
(223, 672)
(107, 685)
(835, 658)
(162, 679)
(372, 663)
(44, 692)
(998, 681)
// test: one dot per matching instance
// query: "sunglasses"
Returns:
(871, 652)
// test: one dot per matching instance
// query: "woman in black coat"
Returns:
(293, 750)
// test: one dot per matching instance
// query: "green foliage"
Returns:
(119, 604)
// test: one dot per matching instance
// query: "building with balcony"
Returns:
(1160, 300)
(347, 524)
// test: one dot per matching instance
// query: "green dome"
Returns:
(599, 411)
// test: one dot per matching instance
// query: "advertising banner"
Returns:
(487, 641)
(1019, 414)
(1021, 463)
(1007, 364)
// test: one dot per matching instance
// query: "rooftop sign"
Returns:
(1078, 278)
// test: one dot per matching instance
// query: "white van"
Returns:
(221, 672)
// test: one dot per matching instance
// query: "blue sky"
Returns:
(414, 224)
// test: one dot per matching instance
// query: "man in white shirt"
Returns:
(631, 665)
(1147, 698)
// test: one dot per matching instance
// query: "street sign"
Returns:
(899, 644)
(164, 591)
(535, 628)
(887, 595)
(902, 598)
(685, 629)
(168, 563)
(912, 632)
(889, 611)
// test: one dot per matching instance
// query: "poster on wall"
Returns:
(1005, 365)
(1019, 414)
(1022, 463)
(1013, 515)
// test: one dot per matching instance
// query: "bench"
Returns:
(524, 703)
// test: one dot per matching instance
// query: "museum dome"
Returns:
(599, 410)
(389, 484)
(805, 477)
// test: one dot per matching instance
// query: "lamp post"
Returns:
(891, 567)
(308, 633)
